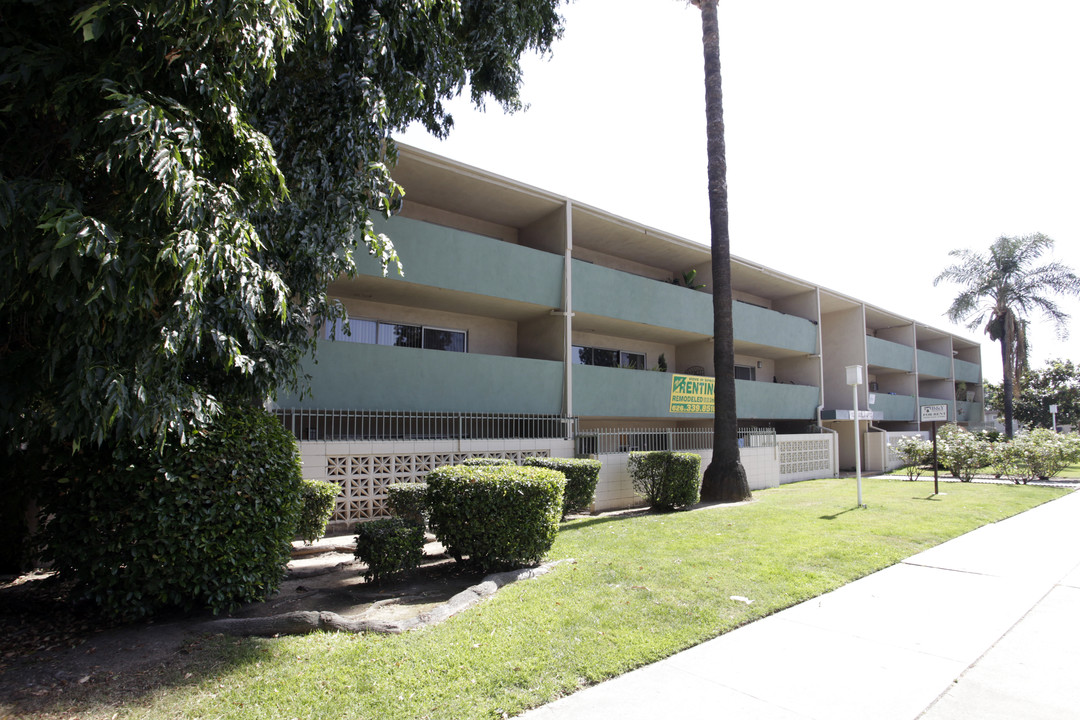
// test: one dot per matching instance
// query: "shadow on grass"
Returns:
(581, 523)
(114, 667)
(67, 662)
(837, 515)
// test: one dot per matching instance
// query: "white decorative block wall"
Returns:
(805, 457)
(363, 470)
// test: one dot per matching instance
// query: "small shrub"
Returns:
(486, 462)
(1044, 453)
(389, 546)
(208, 525)
(1005, 460)
(408, 501)
(317, 500)
(667, 480)
(581, 478)
(495, 515)
(914, 452)
(962, 452)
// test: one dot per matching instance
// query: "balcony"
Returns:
(967, 372)
(969, 412)
(762, 326)
(775, 401)
(613, 392)
(443, 257)
(888, 354)
(615, 294)
(610, 293)
(376, 377)
(617, 392)
(894, 407)
(934, 365)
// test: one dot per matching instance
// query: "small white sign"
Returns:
(934, 413)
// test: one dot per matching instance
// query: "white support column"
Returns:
(568, 310)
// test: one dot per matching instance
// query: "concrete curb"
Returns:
(308, 621)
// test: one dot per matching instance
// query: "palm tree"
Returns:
(725, 477)
(1002, 289)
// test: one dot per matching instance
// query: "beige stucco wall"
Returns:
(542, 338)
(618, 263)
(752, 299)
(487, 336)
(437, 216)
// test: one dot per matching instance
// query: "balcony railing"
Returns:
(309, 424)
(888, 354)
(608, 441)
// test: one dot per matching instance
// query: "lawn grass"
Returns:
(642, 588)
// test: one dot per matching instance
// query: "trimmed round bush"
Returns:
(408, 501)
(667, 480)
(317, 500)
(208, 525)
(581, 475)
(389, 546)
(496, 515)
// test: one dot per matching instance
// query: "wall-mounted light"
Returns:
(759, 363)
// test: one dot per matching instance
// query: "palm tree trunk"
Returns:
(725, 478)
(1007, 339)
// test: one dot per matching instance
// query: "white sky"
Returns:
(864, 140)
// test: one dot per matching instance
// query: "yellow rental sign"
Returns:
(692, 394)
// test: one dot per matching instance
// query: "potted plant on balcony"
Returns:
(962, 392)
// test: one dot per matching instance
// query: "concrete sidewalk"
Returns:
(983, 626)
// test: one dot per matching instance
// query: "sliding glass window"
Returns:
(604, 357)
(372, 332)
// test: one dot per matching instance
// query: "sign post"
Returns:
(854, 379)
(932, 414)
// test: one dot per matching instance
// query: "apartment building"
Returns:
(529, 324)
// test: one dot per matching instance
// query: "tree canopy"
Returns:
(1002, 288)
(1056, 384)
(180, 180)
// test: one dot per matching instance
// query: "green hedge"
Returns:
(389, 546)
(317, 500)
(409, 502)
(205, 525)
(496, 515)
(486, 462)
(581, 478)
(667, 480)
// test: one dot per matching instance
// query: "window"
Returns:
(605, 357)
(439, 339)
(398, 335)
(745, 372)
(359, 331)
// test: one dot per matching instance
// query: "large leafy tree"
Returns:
(1000, 290)
(1056, 384)
(724, 479)
(181, 179)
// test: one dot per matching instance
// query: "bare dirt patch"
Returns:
(55, 654)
